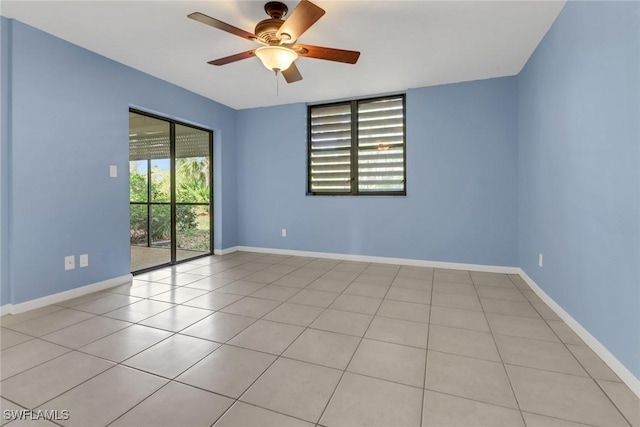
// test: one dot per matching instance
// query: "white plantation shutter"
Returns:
(357, 147)
(330, 149)
(381, 145)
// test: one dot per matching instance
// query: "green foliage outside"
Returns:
(192, 222)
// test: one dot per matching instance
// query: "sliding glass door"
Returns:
(193, 201)
(171, 191)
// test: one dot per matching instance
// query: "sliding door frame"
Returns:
(173, 202)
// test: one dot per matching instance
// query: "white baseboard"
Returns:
(66, 295)
(225, 251)
(381, 260)
(620, 370)
(5, 309)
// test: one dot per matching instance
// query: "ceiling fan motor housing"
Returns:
(267, 29)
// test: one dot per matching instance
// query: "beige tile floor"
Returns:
(147, 257)
(252, 339)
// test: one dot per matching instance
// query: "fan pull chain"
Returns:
(277, 83)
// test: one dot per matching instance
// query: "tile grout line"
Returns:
(107, 360)
(504, 367)
(594, 380)
(56, 330)
(138, 323)
(571, 353)
(559, 339)
(529, 302)
(581, 423)
(277, 358)
(235, 400)
(174, 379)
(359, 343)
(174, 333)
(174, 273)
(115, 364)
(71, 349)
(426, 353)
(137, 404)
(318, 316)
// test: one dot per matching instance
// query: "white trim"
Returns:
(5, 309)
(381, 260)
(225, 251)
(67, 295)
(620, 370)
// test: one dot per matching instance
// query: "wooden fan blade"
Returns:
(292, 74)
(302, 17)
(201, 17)
(327, 53)
(233, 58)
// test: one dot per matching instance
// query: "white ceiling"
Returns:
(404, 44)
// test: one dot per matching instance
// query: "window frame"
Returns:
(354, 148)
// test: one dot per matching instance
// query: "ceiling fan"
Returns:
(278, 38)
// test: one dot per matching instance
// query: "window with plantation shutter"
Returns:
(330, 149)
(357, 147)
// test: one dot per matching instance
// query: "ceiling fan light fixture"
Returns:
(276, 57)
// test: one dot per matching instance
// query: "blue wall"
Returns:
(5, 115)
(69, 123)
(461, 201)
(579, 170)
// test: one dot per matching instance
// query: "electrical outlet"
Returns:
(284, 232)
(69, 262)
(539, 260)
(84, 260)
(113, 171)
